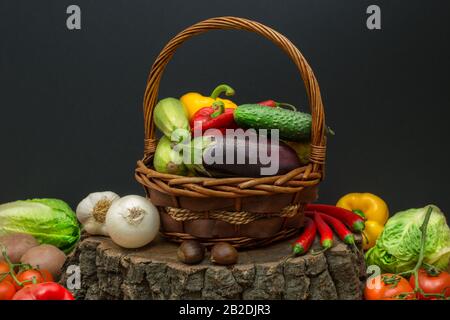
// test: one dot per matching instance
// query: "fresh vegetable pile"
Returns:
(28, 270)
(416, 244)
(35, 236)
(353, 212)
(411, 249)
(50, 221)
(191, 125)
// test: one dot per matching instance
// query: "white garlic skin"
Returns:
(92, 223)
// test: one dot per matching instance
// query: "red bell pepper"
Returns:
(214, 117)
(275, 104)
(43, 291)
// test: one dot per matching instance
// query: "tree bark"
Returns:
(110, 272)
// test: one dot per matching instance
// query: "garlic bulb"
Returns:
(132, 221)
(92, 210)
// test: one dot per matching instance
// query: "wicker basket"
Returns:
(246, 212)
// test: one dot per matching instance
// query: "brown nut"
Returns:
(223, 253)
(191, 252)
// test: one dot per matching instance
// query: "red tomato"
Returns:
(389, 291)
(46, 275)
(7, 290)
(432, 284)
(4, 267)
(29, 277)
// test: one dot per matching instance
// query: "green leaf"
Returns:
(397, 249)
(50, 221)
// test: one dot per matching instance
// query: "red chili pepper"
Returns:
(340, 228)
(326, 234)
(275, 104)
(214, 117)
(304, 242)
(355, 222)
(43, 291)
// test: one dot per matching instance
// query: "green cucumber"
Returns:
(167, 160)
(170, 115)
(292, 125)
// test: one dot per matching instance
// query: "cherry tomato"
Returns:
(389, 291)
(432, 283)
(4, 267)
(46, 275)
(7, 290)
(29, 277)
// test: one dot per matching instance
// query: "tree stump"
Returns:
(153, 272)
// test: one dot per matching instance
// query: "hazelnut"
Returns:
(223, 253)
(191, 252)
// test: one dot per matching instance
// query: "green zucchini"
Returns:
(170, 115)
(167, 160)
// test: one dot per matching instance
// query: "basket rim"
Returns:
(237, 187)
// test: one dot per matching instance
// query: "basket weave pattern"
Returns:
(236, 218)
(239, 188)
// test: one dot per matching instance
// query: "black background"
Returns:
(71, 101)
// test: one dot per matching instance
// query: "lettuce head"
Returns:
(397, 249)
(50, 221)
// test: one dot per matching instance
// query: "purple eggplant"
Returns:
(242, 155)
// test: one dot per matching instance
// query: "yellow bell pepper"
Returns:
(372, 208)
(372, 231)
(194, 101)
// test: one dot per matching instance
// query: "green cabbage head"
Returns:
(397, 248)
(50, 221)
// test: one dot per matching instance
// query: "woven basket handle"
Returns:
(312, 87)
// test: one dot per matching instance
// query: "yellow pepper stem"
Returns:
(229, 91)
